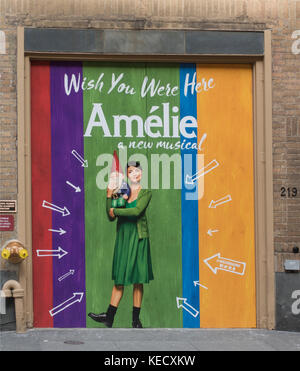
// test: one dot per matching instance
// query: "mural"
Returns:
(142, 188)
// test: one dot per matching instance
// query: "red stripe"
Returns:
(41, 190)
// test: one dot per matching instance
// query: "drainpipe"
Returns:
(13, 289)
(15, 252)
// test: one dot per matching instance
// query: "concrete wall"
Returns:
(281, 16)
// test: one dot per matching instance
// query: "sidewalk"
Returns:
(99, 339)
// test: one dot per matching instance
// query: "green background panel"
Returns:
(164, 212)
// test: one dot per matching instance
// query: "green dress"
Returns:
(132, 258)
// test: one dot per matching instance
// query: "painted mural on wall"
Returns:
(142, 195)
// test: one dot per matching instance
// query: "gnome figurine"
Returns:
(116, 182)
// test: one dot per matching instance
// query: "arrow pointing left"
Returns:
(77, 297)
(59, 253)
(216, 262)
(199, 284)
(191, 179)
(211, 231)
(213, 204)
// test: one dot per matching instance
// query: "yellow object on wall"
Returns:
(14, 251)
(226, 210)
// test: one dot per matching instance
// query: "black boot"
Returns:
(136, 323)
(102, 317)
(106, 318)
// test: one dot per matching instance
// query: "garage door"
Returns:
(191, 128)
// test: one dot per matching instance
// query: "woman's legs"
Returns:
(116, 295)
(108, 317)
(138, 290)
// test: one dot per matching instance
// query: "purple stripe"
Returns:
(66, 136)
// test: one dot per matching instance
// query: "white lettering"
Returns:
(156, 88)
(75, 84)
(188, 122)
(296, 44)
(202, 85)
(114, 82)
(97, 110)
(153, 121)
(128, 120)
(98, 119)
(296, 304)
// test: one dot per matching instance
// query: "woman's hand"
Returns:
(114, 183)
(111, 213)
(109, 192)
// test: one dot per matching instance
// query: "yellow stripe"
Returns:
(225, 114)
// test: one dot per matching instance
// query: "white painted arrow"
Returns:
(211, 231)
(71, 272)
(199, 284)
(60, 231)
(182, 303)
(83, 162)
(216, 262)
(59, 252)
(64, 211)
(77, 297)
(190, 179)
(213, 204)
(77, 189)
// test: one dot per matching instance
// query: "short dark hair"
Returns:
(134, 164)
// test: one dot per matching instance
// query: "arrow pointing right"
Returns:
(64, 211)
(84, 163)
(60, 231)
(77, 297)
(71, 272)
(59, 252)
(77, 189)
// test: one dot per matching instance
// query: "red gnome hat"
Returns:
(116, 167)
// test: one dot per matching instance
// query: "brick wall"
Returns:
(282, 16)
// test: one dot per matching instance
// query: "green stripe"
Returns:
(164, 213)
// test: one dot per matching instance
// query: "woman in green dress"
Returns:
(132, 259)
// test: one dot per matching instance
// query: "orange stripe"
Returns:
(225, 115)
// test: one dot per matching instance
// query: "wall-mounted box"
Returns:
(292, 265)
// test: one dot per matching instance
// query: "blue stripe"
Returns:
(189, 204)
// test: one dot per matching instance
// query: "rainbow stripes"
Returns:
(65, 267)
(57, 130)
(73, 240)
